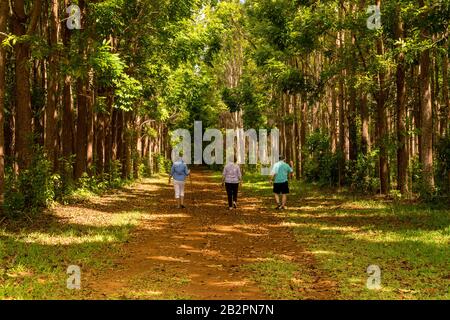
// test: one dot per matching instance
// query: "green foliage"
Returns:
(163, 165)
(443, 165)
(128, 91)
(419, 185)
(321, 164)
(32, 190)
(361, 174)
(66, 184)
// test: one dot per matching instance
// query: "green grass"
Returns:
(346, 234)
(34, 256)
(280, 279)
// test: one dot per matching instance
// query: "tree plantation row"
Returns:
(358, 90)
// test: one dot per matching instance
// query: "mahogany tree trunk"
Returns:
(24, 132)
(382, 123)
(3, 24)
(402, 152)
(50, 136)
(426, 115)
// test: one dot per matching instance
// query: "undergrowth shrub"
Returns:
(361, 175)
(163, 164)
(32, 189)
(443, 165)
(321, 165)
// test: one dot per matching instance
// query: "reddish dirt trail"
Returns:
(198, 252)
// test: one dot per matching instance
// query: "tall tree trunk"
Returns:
(136, 146)
(333, 128)
(297, 150)
(445, 96)
(382, 123)
(52, 89)
(3, 23)
(303, 114)
(341, 131)
(24, 132)
(100, 143)
(120, 137)
(426, 115)
(402, 152)
(67, 112)
(365, 135)
(109, 131)
(82, 128)
(82, 112)
(90, 122)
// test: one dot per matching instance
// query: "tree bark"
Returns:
(402, 152)
(50, 137)
(67, 112)
(82, 114)
(426, 115)
(382, 123)
(24, 132)
(3, 23)
(365, 134)
(445, 96)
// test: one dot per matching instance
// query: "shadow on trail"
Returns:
(206, 245)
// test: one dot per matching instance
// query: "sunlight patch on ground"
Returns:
(168, 259)
(324, 252)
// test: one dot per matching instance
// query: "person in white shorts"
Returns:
(179, 172)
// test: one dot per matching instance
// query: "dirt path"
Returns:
(198, 252)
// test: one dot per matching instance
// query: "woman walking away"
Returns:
(179, 172)
(231, 177)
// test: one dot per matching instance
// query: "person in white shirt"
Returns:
(231, 178)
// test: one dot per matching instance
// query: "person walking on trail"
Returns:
(231, 178)
(179, 172)
(280, 174)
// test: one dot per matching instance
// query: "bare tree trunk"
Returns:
(402, 152)
(24, 132)
(382, 123)
(426, 115)
(90, 122)
(333, 128)
(3, 23)
(67, 113)
(341, 131)
(365, 135)
(445, 96)
(52, 90)
(81, 140)
(100, 143)
(303, 114)
(109, 124)
(136, 146)
(297, 149)
(82, 114)
(351, 116)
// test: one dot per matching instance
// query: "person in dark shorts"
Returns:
(280, 174)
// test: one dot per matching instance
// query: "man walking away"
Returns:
(279, 177)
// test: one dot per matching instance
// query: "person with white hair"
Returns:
(179, 172)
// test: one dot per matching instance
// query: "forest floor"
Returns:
(135, 244)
